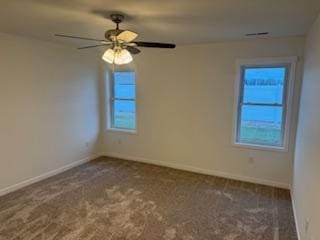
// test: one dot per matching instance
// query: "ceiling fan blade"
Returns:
(155, 45)
(133, 50)
(82, 38)
(127, 36)
(93, 46)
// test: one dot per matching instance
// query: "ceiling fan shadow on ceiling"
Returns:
(120, 43)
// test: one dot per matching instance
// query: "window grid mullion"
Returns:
(263, 104)
(123, 99)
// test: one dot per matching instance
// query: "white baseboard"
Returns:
(198, 170)
(295, 215)
(46, 175)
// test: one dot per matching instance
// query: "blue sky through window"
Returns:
(124, 106)
(261, 111)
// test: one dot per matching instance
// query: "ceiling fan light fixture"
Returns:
(109, 56)
(122, 57)
(118, 57)
(120, 42)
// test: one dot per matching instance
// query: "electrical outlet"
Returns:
(306, 225)
(87, 144)
(251, 160)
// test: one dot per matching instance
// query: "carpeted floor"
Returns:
(116, 199)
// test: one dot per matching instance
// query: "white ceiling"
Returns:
(178, 21)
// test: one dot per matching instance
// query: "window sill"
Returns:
(260, 147)
(121, 130)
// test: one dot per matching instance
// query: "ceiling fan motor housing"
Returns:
(117, 19)
(110, 33)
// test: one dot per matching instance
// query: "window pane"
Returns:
(261, 125)
(124, 85)
(264, 85)
(124, 114)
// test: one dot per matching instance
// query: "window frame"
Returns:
(111, 99)
(241, 65)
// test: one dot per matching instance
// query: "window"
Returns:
(123, 101)
(264, 90)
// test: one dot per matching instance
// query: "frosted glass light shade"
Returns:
(109, 56)
(122, 57)
(118, 57)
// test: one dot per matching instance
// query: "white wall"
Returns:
(185, 109)
(48, 107)
(306, 189)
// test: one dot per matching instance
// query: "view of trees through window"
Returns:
(261, 106)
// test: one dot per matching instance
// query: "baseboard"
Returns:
(46, 175)
(197, 170)
(295, 215)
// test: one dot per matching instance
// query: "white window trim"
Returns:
(109, 86)
(290, 91)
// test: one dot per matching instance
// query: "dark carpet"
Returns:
(115, 199)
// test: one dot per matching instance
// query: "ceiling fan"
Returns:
(120, 43)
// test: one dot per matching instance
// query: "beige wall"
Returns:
(185, 109)
(48, 107)
(306, 188)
